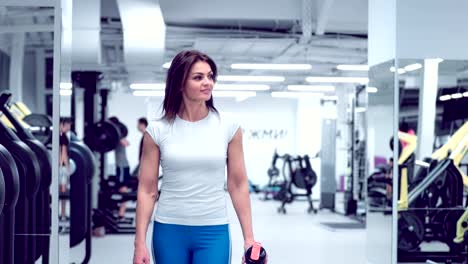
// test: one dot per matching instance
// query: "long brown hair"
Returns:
(177, 77)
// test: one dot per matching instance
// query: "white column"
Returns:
(16, 66)
(427, 108)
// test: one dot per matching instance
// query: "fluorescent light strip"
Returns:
(413, 67)
(149, 93)
(361, 80)
(296, 95)
(243, 78)
(360, 109)
(344, 67)
(456, 96)
(445, 97)
(167, 65)
(400, 70)
(242, 87)
(465, 94)
(311, 88)
(372, 89)
(66, 85)
(148, 86)
(234, 94)
(215, 93)
(265, 66)
(65, 92)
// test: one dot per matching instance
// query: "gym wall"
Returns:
(30, 85)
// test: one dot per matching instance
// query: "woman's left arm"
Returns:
(238, 187)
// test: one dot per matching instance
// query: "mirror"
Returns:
(27, 51)
(432, 162)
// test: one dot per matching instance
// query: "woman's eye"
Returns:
(197, 78)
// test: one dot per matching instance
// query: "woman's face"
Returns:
(200, 82)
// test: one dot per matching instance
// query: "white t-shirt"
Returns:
(193, 161)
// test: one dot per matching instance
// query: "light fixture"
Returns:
(242, 87)
(147, 86)
(66, 85)
(456, 96)
(311, 88)
(330, 98)
(465, 94)
(234, 94)
(249, 78)
(270, 66)
(360, 109)
(149, 93)
(412, 67)
(445, 97)
(400, 70)
(372, 89)
(167, 65)
(344, 67)
(439, 60)
(296, 95)
(66, 92)
(361, 80)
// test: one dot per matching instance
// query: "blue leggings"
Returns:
(181, 244)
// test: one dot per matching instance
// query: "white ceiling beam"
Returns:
(27, 28)
(323, 15)
(28, 3)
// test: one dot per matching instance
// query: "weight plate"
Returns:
(410, 231)
(122, 128)
(40, 127)
(102, 137)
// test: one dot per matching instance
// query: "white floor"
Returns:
(293, 238)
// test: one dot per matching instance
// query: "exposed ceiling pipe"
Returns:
(86, 24)
(144, 33)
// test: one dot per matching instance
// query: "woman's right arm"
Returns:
(147, 188)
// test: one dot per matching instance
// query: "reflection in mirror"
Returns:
(433, 131)
(380, 157)
(26, 71)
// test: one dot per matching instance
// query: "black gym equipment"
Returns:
(2, 192)
(43, 210)
(431, 204)
(7, 218)
(299, 175)
(81, 196)
(30, 180)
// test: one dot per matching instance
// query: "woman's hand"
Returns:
(247, 245)
(141, 254)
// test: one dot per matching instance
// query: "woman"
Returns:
(194, 145)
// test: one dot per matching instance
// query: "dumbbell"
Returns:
(255, 254)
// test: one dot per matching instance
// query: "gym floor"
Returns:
(290, 238)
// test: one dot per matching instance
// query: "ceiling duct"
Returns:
(144, 33)
(86, 25)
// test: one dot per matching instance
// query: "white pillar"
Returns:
(16, 66)
(427, 108)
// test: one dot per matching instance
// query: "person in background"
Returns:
(142, 125)
(64, 142)
(122, 172)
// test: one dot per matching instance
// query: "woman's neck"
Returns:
(193, 111)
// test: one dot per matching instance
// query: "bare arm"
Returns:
(147, 188)
(238, 187)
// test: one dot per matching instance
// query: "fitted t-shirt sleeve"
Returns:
(153, 131)
(233, 126)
